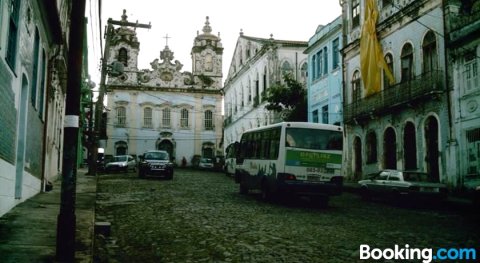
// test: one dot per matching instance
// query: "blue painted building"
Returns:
(325, 74)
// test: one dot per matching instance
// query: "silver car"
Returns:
(123, 163)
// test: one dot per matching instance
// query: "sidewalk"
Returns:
(28, 231)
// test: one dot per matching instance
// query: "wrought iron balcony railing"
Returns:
(397, 95)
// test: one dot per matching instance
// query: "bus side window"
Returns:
(274, 144)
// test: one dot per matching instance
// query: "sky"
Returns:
(181, 19)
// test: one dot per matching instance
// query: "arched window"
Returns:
(407, 62)
(286, 68)
(303, 72)
(371, 147)
(147, 117)
(184, 118)
(208, 120)
(121, 117)
(429, 52)
(166, 117)
(389, 61)
(356, 91)
(123, 56)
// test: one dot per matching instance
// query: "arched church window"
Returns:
(121, 117)
(184, 118)
(166, 117)
(208, 120)
(123, 56)
(303, 72)
(147, 117)
(286, 68)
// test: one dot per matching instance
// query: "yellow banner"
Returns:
(371, 56)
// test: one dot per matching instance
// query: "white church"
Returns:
(164, 107)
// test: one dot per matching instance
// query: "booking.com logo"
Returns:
(425, 254)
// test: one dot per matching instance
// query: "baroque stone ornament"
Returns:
(166, 76)
(472, 106)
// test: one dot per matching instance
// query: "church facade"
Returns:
(164, 107)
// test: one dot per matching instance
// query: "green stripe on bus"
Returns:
(312, 159)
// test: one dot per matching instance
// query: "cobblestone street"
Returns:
(199, 216)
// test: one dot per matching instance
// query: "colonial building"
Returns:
(165, 107)
(325, 74)
(32, 96)
(404, 123)
(257, 64)
(462, 22)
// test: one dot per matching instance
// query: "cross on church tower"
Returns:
(166, 39)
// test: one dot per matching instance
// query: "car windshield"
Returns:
(119, 159)
(156, 156)
(206, 160)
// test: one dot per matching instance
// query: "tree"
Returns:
(290, 97)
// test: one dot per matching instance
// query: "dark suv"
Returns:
(155, 163)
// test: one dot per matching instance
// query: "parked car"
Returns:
(155, 163)
(205, 163)
(394, 183)
(471, 187)
(122, 163)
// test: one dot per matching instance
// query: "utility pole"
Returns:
(66, 218)
(99, 104)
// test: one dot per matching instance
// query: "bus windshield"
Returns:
(313, 139)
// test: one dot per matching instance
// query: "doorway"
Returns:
(390, 149)
(432, 153)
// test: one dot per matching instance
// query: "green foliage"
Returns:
(291, 96)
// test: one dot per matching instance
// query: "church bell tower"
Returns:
(207, 54)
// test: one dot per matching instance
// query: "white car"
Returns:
(122, 163)
(396, 183)
(206, 163)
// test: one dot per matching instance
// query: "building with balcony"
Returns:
(257, 64)
(462, 23)
(405, 123)
(324, 82)
(163, 107)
